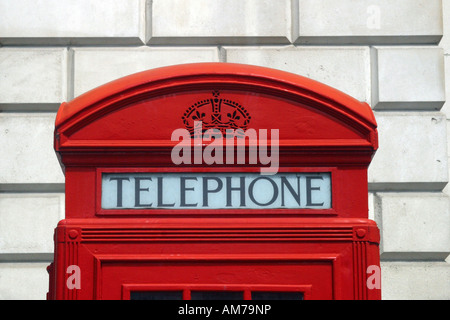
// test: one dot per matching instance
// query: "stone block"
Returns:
(344, 68)
(445, 41)
(24, 281)
(32, 76)
(72, 22)
(447, 187)
(415, 280)
(414, 225)
(221, 21)
(412, 152)
(369, 22)
(446, 108)
(408, 78)
(27, 221)
(371, 205)
(28, 159)
(94, 67)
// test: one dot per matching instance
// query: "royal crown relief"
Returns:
(211, 126)
(216, 113)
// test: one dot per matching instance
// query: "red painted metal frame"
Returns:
(112, 129)
(328, 257)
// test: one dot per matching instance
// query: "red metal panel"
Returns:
(326, 259)
(317, 124)
(126, 126)
(190, 77)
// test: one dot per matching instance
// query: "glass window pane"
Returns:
(156, 295)
(217, 295)
(271, 295)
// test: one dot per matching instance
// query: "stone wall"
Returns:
(393, 54)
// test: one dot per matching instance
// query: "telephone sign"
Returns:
(216, 190)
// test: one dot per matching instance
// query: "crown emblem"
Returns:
(215, 113)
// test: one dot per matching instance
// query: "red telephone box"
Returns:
(215, 181)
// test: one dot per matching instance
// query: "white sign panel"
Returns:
(216, 191)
